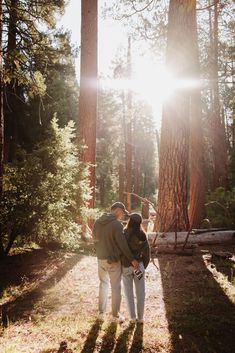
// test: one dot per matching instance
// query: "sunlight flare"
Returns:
(150, 82)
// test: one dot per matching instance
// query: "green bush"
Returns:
(221, 208)
(46, 193)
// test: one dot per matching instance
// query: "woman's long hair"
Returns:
(134, 226)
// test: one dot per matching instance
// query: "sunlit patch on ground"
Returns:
(186, 310)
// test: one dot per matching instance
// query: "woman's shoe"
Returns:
(140, 321)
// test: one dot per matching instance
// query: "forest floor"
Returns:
(49, 305)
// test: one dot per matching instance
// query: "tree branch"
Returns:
(208, 6)
(136, 10)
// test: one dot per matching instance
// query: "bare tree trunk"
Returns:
(121, 176)
(174, 145)
(197, 175)
(219, 136)
(137, 176)
(11, 126)
(158, 157)
(1, 101)
(136, 166)
(129, 139)
(88, 88)
(1, 121)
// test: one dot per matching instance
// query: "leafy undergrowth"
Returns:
(49, 305)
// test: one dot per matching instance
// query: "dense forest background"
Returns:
(44, 188)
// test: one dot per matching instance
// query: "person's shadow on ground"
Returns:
(137, 341)
(124, 339)
(109, 341)
(90, 343)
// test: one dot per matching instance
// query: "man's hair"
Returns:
(120, 205)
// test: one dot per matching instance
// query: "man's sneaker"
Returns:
(119, 319)
(133, 321)
(101, 317)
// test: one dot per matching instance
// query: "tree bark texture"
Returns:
(121, 182)
(218, 128)
(1, 101)
(197, 168)
(129, 133)
(11, 96)
(88, 88)
(205, 238)
(174, 145)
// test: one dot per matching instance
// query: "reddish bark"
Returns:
(88, 88)
(174, 145)
(11, 101)
(197, 175)
(129, 134)
(1, 102)
(121, 181)
(218, 129)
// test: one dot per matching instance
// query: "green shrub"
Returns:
(221, 208)
(46, 193)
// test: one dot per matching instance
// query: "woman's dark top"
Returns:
(139, 246)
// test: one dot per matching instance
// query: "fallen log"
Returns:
(225, 255)
(200, 231)
(219, 237)
(161, 249)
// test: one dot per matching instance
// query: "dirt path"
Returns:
(189, 308)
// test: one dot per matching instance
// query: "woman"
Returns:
(138, 244)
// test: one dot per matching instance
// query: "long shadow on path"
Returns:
(200, 315)
(90, 343)
(109, 339)
(124, 339)
(137, 342)
(21, 307)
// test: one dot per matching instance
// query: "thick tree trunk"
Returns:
(11, 100)
(1, 101)
(174, 145)
(88, 87)
(197, 175)
(218, 130)
(173, 175)
(158, 157)
(1, 121)
(121, 181)
(136, 164)
(137, 178)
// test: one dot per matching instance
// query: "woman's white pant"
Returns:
(129, 281)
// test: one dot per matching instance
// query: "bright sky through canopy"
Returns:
(150, 81)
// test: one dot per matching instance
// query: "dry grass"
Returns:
(189, 308)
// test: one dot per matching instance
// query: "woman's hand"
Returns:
(135, 264)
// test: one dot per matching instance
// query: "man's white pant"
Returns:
(109, 273)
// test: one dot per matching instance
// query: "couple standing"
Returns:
(123, 253)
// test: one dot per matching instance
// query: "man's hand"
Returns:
(135, 264)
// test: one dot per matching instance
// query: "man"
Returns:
(110, 244)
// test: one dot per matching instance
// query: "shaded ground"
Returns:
(49, 302)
